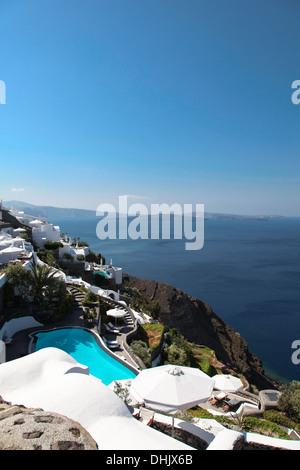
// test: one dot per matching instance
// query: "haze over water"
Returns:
(248, 271)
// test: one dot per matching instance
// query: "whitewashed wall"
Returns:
(17, 324)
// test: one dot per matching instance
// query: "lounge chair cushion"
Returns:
(146, 416)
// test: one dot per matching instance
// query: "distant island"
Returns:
(53, 212)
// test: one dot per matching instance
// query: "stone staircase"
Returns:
(129, 319)
(129, 325)
(78, 296)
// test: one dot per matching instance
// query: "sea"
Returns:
(248, 271)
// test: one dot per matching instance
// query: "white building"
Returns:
(43, 232)
(12, 248)
(109, 271)
(115, 273)
(11, 253)
(23, 218)
(74, 251)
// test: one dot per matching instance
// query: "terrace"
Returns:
(203, 433)
(233, 404)
(230, 403)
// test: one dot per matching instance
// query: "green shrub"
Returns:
(100, 280)
(52, 245)
(177, 350)
(41, 254)
(103, 309)
(90, 298)
(265, 427)
(80, 244)
(93, 257)
(289, 401)
(147, 306)
(280, 418)
(65, 307)
(199, 412)
(38, 283)
(18, 277)
(80, 258)
(256, 425)
(48, 257)
(89, 314)
(68, 257)
(176, 355)
(140, 349)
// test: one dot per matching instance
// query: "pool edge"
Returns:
(100, 342)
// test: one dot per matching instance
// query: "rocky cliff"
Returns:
(200, 325)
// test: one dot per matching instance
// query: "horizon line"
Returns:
(122, 213)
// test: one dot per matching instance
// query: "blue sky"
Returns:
(163, 100)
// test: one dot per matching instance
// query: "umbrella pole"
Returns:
(173, 426)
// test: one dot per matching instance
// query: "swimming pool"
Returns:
(83, 346)
(101, 273)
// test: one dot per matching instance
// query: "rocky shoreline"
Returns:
(197, 322)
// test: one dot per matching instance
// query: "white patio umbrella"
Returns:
(36, 222)
(227, 383)
(19, 230)
(171, 388)
(116, 313)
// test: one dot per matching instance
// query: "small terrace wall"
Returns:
(2, 352)
(17, 324)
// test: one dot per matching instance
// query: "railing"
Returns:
(249, 396)
(99, 322)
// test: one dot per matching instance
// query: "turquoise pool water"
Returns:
(101, 274)
(83, 347)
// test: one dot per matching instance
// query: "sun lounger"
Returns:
(221, 397)
(112, 330)
(230, 404)
(145, 416)
(115, 327)
(111, 344)
(217, 399)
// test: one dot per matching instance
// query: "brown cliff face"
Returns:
(196, 321)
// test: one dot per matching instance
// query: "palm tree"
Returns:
(41, 279)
